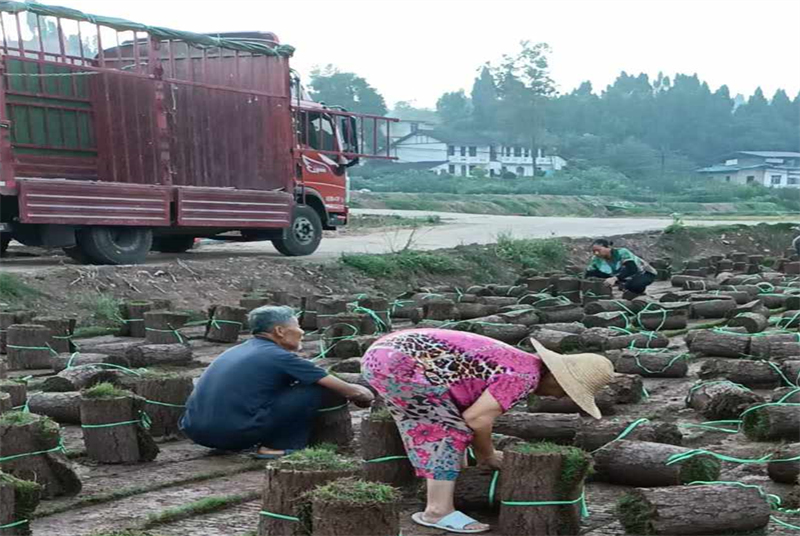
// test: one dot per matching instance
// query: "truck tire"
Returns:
(77, 254)
(114, 245)
(5, 239)
(304, 235)
(173, 244)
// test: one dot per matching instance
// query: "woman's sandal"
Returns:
(455, 522)
(275, 456)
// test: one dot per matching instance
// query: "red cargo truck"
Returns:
(117, 138)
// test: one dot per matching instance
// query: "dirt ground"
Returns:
(185, 472)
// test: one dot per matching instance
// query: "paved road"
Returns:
(456, 229)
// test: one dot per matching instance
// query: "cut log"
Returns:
(644, 464)
(700, 284)
(538, 284)
(568, 327)
(77, 378)
(665, 318)
(468, 311)
(225, 323)
(526, 316)
(604, 339)
(496, 301)
(785, 472)
(117, 348)
(132, 314)
(678, 280)
(377, 309)
(773, 300)
(652, 363)
(532, 474)
(18, 391)
(440, 310)
(286, 481)
(338, 339)
(570, 288)
(27, 347)
(507, 333)
(8, 319)
(113, 430)
(163, 327)
(712, 308)
(164, 397)
(595, 289)
(385, 458)
(791, 369)
(609, 306)
(752, 322)
(560, 313)
(473, 486)
(64, 408)
(595, 434)
(741, 297)
(720, 343)
(558, 341)
(607, 320)
(694, 510)
(772, 423)
(308, 316)
(777, 346)
(333, 423)
(36, 439)
(721, 400)
(555, 427)
(789, 320)
(5, 403)
(334, 512)
(18, 500)
(752, 374)
(550, 404)
(76, 359)
(147, 355)
(61, 330)
(754, 306)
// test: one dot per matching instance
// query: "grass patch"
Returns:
(403, 263)
(27, 495)
(635, 513)
(103, 309)
(380, 415)
(539, 254)
(197, 508)
(14, 291)
(755, 424)
(316, 459)
(124, 533)
(94, 331)
(22, 418)
(356, 491)
(699, 468)
(105, 390)
(371, 221)
(575, 466)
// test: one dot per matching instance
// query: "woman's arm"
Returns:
(480, 418)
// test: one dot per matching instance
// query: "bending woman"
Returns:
(445, 389)
(620, 267)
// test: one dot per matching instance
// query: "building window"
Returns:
(793, 180)
(463, 151)
(503, 169)
(751, 179)
(728, 178)
(463, 170)
(776, 179)
(508, 151)
(517, 151)
(473, 151)
(471, 169)
(451, 169)
(491, 172)
(451, 150)
(527, 153)
(521, 171)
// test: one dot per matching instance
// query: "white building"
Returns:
(463, 155)
(774, 169)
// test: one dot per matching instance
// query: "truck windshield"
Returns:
(316, 131)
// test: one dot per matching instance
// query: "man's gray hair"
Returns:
(264, 319)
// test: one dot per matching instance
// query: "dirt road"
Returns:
(456, 229)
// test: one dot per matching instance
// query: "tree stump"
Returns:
(651, 364)
(334, 511)
(132, 315)
(772, 423)
(5, 403)
(147, 355)
(27, 347)
(64, 408)
(507, 333)
(557, 341)
(555, 427)
(542, 473)
(440, 310)
(339, 338)
(538, 284)
(644, 464)
(473, 488)
(164, 396)
(609, 306)
(254, 302)
(720, 343)
(225, 323)
(8, 319)
(785, 472)
(308, 315)
(33, 444)
(405, 309)
(712, 308)
(385, 458)
(560, 313)
(595, 434)
(752, 322)
(570, 288)
(61, 330)
(18, 501)
(287, 480)
(163, 327)
(76, 359)
(753, 374)
(595, 289)
(606, 320)
(333, 423)
(721, 400)
(114, 428)
(693, 510)
(77, 378)
(18, 390)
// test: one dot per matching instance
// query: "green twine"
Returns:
(784, 524)
(175, 331)
(167, 404)
(386, 459)
(709, 425)
(336, 340)
(334, 408)
(664, 368)
(630, 428)
(143, 420)
(16, 347)
(379, 323)
(279, 516)
(493, 487)
(580, 500)
(60, 447)
(215, 322)
(15, 524)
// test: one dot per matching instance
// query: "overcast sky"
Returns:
(416, 50)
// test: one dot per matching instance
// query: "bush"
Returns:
(401, 264)
(534, 253)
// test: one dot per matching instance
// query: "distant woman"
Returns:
(620, 267)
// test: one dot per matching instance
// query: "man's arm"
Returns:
(351, 391)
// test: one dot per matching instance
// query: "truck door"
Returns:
(321, 169)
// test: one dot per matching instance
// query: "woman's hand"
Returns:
(493, 461)
(611, 281)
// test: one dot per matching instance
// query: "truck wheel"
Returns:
(115, 245)
(77, 254)
(5, 239)
(304, 235)
(173, 244)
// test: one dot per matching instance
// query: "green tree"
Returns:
(354, 93)
(454, 108)
(408, 112)
(484, 100)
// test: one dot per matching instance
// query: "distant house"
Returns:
(464, 154)
(774, 169)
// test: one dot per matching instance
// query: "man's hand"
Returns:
(493, 461)
(362, 397)
(611, 281)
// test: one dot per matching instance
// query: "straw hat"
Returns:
(581, 376)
